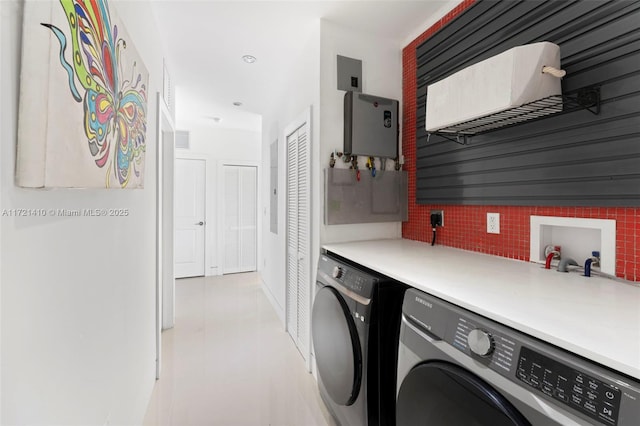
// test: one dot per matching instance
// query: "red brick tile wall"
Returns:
(465, 226)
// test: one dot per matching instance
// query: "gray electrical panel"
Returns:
(370, 125)
(349, 74)
(273, 190)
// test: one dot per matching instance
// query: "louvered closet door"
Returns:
(292, 236)
(298, 238)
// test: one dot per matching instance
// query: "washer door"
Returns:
(440, 393)
(336, 346)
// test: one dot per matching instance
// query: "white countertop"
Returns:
(594, 317)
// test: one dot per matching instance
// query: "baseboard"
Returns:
(276, 306)
(213, 271)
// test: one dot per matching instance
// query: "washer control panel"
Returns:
(593, 397)
(595, 394)
(480, 342)
(485, 344)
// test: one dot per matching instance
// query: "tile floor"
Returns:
(228, 361)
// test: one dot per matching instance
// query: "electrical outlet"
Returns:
(493, 223)
(440, 213)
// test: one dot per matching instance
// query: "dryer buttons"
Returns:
(338, 272)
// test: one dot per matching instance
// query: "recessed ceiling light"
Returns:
(236, 103)
(249, 59)
(216, 119)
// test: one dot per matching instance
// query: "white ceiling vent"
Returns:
(503, 82)
(168, 90)
(182, 139)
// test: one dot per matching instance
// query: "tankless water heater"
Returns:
(370, 125)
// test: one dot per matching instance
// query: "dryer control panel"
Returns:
(346, 277)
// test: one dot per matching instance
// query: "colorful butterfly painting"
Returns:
(112, 91)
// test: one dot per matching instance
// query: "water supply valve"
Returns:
(594, 260)
(551, 252)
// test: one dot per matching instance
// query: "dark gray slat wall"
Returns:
(576, 158)
(476, 40)
(468, 53)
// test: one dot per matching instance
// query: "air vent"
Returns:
(182, 139)
(167, 88)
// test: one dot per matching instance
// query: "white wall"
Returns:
(3, 48)
(78, 293)
(381, 76)
(302, 93)
(314, 84)
(220, 146)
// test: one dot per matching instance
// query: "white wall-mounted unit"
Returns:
(505, 81)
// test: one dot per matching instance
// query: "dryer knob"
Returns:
(337, 272)
(480, 342)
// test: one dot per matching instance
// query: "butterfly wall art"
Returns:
(83, 99)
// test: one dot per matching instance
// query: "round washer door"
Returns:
(336, 346)
(440, 393)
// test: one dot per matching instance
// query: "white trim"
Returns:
(2, 13)
(274, 303)
(163, 119)
(184, 155)
(241, 163)
(304, 117)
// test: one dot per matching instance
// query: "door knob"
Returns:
(200, 223)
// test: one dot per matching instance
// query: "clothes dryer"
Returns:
(355, 323)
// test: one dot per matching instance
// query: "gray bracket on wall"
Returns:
(584, 99)
(367, 199)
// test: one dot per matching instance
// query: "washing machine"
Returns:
(458, 368)
(355, 323)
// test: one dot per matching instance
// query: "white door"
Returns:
(240, 219)
(189, 200)
(298, 238)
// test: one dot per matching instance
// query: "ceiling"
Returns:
(205, 42)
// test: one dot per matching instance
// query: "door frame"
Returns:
(220, 210)
(164, 215)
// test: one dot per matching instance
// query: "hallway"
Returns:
(228, 361)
